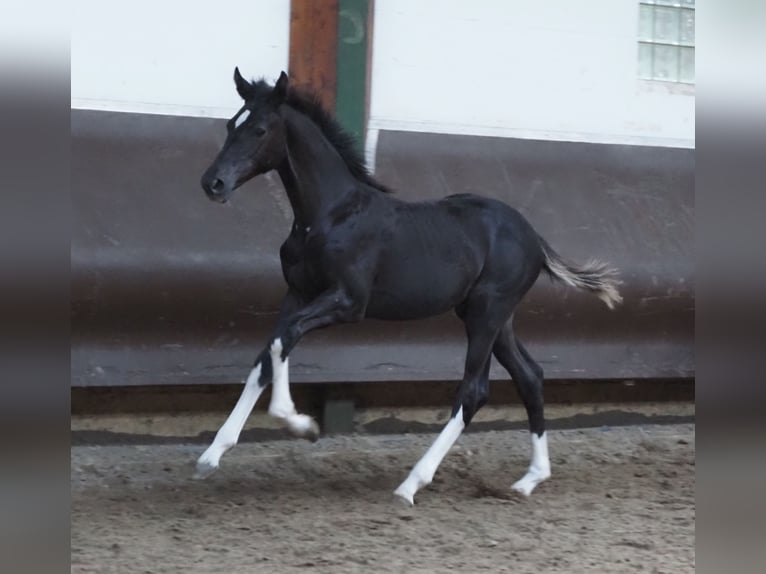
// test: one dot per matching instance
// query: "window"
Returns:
(666, 40)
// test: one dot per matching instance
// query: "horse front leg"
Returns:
(281, 405)
(265, 370)
(329, 308)
(335, 305)
(228, 435)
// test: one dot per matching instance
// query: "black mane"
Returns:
(345, 144)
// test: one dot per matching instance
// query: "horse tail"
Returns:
(595, 276)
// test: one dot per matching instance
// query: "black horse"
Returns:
(357, 251)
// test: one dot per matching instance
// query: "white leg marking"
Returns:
(539, 468)
(371, 149)
(282, 405)
(423, 472)
(228, 435)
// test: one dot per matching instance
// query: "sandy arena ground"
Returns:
(620, 500)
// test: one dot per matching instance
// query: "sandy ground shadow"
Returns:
(620, 500)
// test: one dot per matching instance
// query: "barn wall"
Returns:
(168, 288)
(554, 70)
(171, 288)
(557, 70)
(137, 62)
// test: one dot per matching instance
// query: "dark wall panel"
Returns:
(170, 288)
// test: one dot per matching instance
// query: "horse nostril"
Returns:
(216, 185)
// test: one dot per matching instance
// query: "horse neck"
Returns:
(290, 184)
(314, 174)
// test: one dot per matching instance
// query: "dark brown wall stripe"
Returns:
(313, 47)
(330, 52)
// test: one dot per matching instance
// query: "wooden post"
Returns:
(314, 47)
(330, 53)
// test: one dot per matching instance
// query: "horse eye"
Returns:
(259, 131)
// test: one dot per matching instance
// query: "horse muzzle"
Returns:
(216, 188)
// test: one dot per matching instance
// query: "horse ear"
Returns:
(280, 88)
(244, 88)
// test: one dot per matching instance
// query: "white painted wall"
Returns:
(556, 69)
(173, 56)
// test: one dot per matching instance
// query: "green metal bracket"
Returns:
(353, 62)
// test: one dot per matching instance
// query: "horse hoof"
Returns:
(523, 489)
(204, 469)
(313, 433)
(404, 498)
(303, 426)
(527, 484)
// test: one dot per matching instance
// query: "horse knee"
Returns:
(350, 310)
(471, 399)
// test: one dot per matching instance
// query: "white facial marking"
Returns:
(241, 118)
(423, 472)
(539, 468)
(228, 435)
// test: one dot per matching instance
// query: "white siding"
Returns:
(173, 56)
(555, 69)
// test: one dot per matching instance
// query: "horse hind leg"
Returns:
(472, 394)
(527, 375)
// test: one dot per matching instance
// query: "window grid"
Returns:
(666, 40)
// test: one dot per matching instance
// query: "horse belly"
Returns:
(419, 290)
